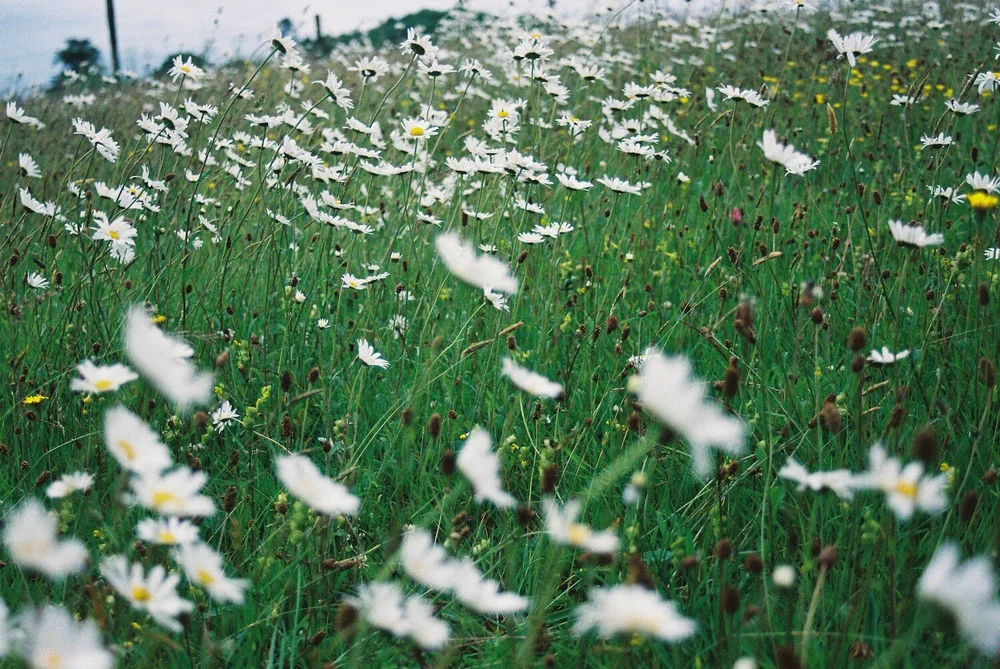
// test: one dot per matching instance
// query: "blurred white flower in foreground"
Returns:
(481, 466)
(632, 609)
(31, 536)
(530, 382)
(322, 494)
(481, 271)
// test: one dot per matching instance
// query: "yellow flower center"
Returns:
(102, 385)
(114, 235)
(164, 497)
(141, 594)
(578, 533)
(906, 488)
(167, 537)
(51, 660)
(206, 577)
(416, 131)
(503, 113)
(127, 449)
(981, 201)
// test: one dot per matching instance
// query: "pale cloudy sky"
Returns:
(148, 30)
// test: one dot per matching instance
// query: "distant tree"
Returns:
(78, 55)
(286, 27)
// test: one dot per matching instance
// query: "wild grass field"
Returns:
(517, 344)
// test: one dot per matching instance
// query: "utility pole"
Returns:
(115, 65)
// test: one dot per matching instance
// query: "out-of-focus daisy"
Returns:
(94, 379)
(167, 531)
(305, 481)
(383, 606)
(31, 536)
(530, 382)
(563, 528)
(839, 480)
(967, 590)
(174, 493)
(133, 444)
(481, 467)
(631, 609)
(666, 388)
(913, 236)
(785, 155)
(51, 637)
(204, 568)
(886, 357)
(481, 271)
(164, 360)
(68, 484)
(155, 593)
(906, 488)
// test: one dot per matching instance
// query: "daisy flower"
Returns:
(666, 388)
(164, 360)
(36, 280)
(530, 382)
(52, 637)
(967, 590)
(913, 236)
(321, 494)
(155, 593)
(29, 168)
(383, 606)
(481, 466)
(367, 355)
(481, 271)
(851, 45)
(167, 531)
(174, 493)
(133, 444)
(886, 357)
(563, 528)
(31, 535)
(204, 568)
(631, 609)
(94, 379)
(224, 415)
(69, 484)
(839, 480)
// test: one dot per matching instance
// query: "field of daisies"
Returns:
(653, 340)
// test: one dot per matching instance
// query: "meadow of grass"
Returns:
(773, 285)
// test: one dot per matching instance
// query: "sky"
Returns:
(148, 31)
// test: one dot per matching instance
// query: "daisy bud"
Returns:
(858, 364)
(925, 445)
(447, 464)
(785, 657)
(229, 499)
(730, 600)
(857, 339)
(525, 516)
(828, 556)
(968, 506)
(550, 477)
(731, 380)
(861, 651)
(724, 549)
(347, 616)
(753, 563)
(638, 573)
(987, 372)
